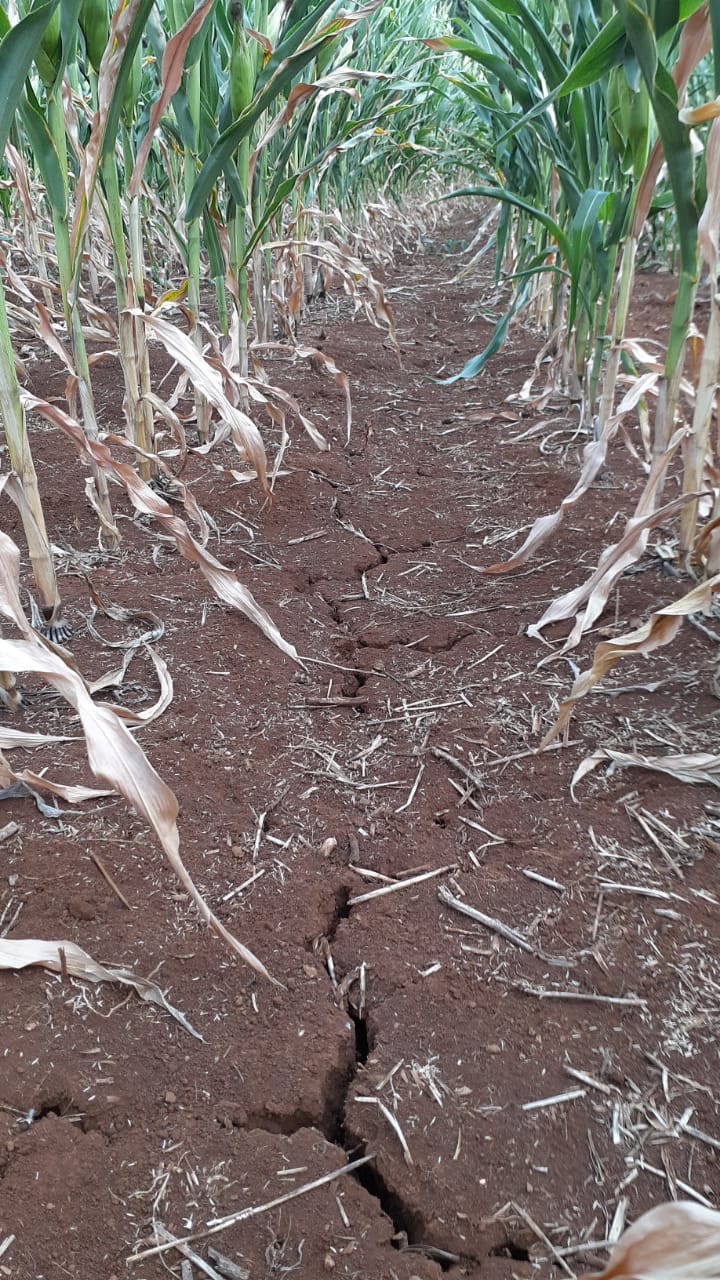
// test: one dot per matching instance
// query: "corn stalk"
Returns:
(17, 50)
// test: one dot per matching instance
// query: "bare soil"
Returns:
(398, 1019)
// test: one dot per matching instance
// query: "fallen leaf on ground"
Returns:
(23, 953)
(700, 767)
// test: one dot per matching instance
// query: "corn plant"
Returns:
(17, 50)
(574, 122)
(248, 125)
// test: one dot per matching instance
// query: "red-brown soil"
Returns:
(112, 1116)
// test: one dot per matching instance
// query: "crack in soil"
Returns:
(408, 1221)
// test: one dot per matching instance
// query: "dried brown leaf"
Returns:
(10, 738)
(326, 362)
(594, 455)
(173, 63)
(51, 339)
(163, 699)
(209, 382)
(699, 768)
(72, 793)
(113, 753)
(25, 953)
(707, 111)
(660, 629)
(613, 562)
(223, 581)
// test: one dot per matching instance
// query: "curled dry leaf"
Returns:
(209, 382)
(34, 782)
(678, 1241)
(113, 753)
(660, 629)
(595, 592)
(318, 357)
(594, 455)
(113, 680)
(23, 953)
(118, 613)
(699, 768)
(223, 581)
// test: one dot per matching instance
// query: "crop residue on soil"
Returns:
(520, 1099)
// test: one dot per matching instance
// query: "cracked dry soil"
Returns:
(303, 789)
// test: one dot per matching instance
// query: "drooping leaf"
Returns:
(113, 753)
(660, 629)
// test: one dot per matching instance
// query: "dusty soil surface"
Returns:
(520, 1098)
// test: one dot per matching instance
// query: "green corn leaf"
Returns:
(17, 51)
(500, 332)
(583, 230)
(213, 247)
(291, 39)
(229, 141)
(497, 66)
(46, 156)
(680, 163)
(553, 66)
(69, 18)
(499, 193)
(606, 51)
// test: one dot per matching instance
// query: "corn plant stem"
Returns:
(202, 406)
(21, 460)
(674, 366)
(702, 417)
(601, 330)
(143, 416)
(126, 295)
(60, 215)
(115, 225)
(262, 261)
(584, 343)
(262, 268)
(73, 322)
(238, 264)
(624, 291)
